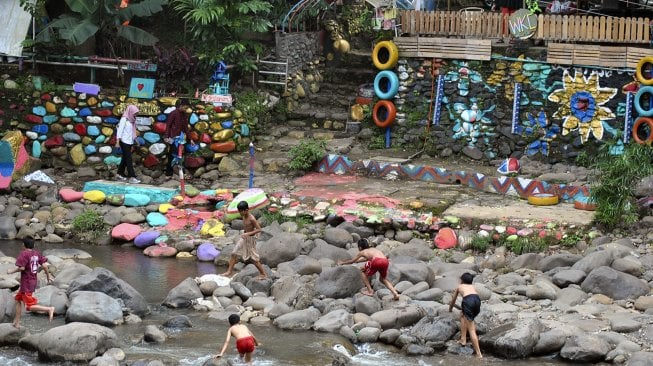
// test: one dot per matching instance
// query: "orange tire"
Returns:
(391, 113)
(641, 122)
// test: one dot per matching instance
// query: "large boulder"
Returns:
(594, 260)
(286, 289)
(641, 359)
(103, 280)
(75, 342)
(585, 348)
(302, 265)
(439, 329)
(94, 307)
(399, 316)
(338, 237)
(513, 340)
(333, 321)
(8, 227)
(413, 272)
(300, 319)
(183, 294)
(282, 247)
(617, 285)
(9, 335)
(417, 250)
(324, 250)
(52, 296)
(339, 282)
(69, 273)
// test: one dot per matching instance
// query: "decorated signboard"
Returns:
(522, 24)
(141, 88)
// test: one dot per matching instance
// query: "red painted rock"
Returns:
(511, 230)
(72, 102)
(217, 109)
(446, 238)
(65, 120)
(54, 141)
(31, 118)
(160, 250)
(46, 96)
(125, 231)
(223, 147)
(70, 195)
(160, 127)
(150, 161)
(194, 136)
(194, 161)
(80, 129)
(205, 138)
(103, 112)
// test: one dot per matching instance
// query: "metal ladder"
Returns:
(269, 72)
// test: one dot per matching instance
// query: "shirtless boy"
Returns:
(376, 262)
(246, 246)
(471, 306)
(245, 340)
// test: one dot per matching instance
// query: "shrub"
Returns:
(306, 154)
(88, 225)
(481, 243)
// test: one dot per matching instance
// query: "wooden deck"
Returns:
(593, 55)
(452, 48)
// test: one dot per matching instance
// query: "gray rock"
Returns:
(323, 250)
(368, 335)
(52, 296)
(241, 290)
(75, 342)
(338, 237)
(542, 289)
(183, 294)
(558, 260)
(432, 294)
(225, 291)
(69, 273)
(513, 340)
(333, 321)
(153, 334)
(594, 260)
(417, 349)
(586, 348)
(93, 307)
(644, 187)
(68, 253)
(8, 227)
(417, 250)
(628, 264)
(389, 336)
(282, 247)
(624, 323)
(303, 265)
(567, 277)
(528, 260)
(439, 329)
(339, 282)
(366, 304)
(641, 359)
(278, 309)
(404, 236)
(133, 218)
(550, 342)
(416, 289)
(10, 336)
(286, 289)
(104, 361)
(300, 319)
(258, 302)
(570, 296)
(615, 284)
(399, 316)
(178, 322)
(643, 303)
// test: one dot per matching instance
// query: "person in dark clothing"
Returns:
(176, 124)
(471, 307)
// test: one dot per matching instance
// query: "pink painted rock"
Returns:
(511, 230)
(160, 250)
(207, 252)
(486, 227)
(446, 238)
(125, 231)
(70, 195)
(525, 232)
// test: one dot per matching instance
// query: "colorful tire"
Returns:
(637, 102)
(385, 55)
(386, 120)
(543, 199)
(639, 75)
(386, 89)
(639, 123)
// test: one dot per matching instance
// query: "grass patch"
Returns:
(88, 225)
(481, 243)
(306, 154)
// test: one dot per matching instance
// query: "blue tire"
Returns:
(637, 102)
(386, 84)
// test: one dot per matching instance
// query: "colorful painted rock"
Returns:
(39, 110)
(145, 239)
(212, 227)
(96, 120)
(157, 149)
(40, 129)
(95, 196)
(50, 107)
(136, 200)
(446, 238)
(160, 127)
(85, 112)
(77, 154)
(150, 161)
(90, 149)
(509, 166)
(92, 131)
(103, 112)
(151, 137)
(194, 161)
(70, 195)
(68, 112)
(116, 199)
(31, 118)
(223, 147)
(223, 135)
(164, 207)
(80, 129)
(160, 250)
(50, 118)
(207, 252)
(111, 120)
(125, 231)
(36, 149)
(155, 219)
(255, 198)
(6, 164)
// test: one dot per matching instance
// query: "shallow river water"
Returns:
(154, 277)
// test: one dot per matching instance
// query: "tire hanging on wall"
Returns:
(386, 84)
(385, 55)
(637, 101)
(639, 123)
(639, 75)
(543, 199)
(387, 119)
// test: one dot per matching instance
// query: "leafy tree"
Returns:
(105, 17)
(219, 28)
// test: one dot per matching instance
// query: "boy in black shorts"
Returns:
(471, 306)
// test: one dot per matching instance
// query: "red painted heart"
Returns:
(140, 87)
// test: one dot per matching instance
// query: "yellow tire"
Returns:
(385, 55)
(639, 75)
(543, 199)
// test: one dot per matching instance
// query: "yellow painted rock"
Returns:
(91, 101)
(223, 135)
(223, 115)
(201, 126)
(184, 255)
(86, 140)
(218, 156)
(118, 109)
(212, 227)
(107, 131)
(238, 113)
(416, 205)
(50, 107)
(356, 112)
(164, 207)
(95, 196)
(169, 101)
(216, 126)
(300, 91)
(77, 154)
(344, 46)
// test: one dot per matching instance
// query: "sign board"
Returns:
(141, 66)
(141, 88)
(150, 108)
(522, 24)
(86, 88)
(216, 98)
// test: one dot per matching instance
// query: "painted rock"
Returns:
(107, 131)
(95, 196)
(244, 130)
(145, 239)
(31, 118)
(202, 126)
(103, 112)
(500, 229)
(94, 120)
(212, 227)
(161, 117)
(65, 120)
(509, 166)
(160, 127)
(136, 200)
(255, 197)
(111, 120)
(77, 154)
(80, 129)
(446, 238)
(223, 115)
(205, 138)
(223, 135)
(511, 230)
(157, 149)
(223, 147)
(85, 112)
(91, 101)
(92, 131)
(150, 161)
(525, 232)
(151, 137)
(512, 237)
(71, 137)
(194, 136)
(193, 119)
(72, 101)
(57, 100)
(68, 112)
(36, 149)
(39, 110)
(115, 199)
(50, 118)
(106, 104)
(40, 129)
(227, 124)
(207, 252)
(125, 231)
(451, 219)
(160, 251)
(90, 149)
(486, 227)
(46, 96)
(164, 207)
(104, 149)
(32, 135)
(191, 191)
(194, 161)
(155, 219)
(111, 159)
(70, 195)
(161, 239)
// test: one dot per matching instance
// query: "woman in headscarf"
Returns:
(125, 139)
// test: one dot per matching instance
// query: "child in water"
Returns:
(245, 340)
(471, 306)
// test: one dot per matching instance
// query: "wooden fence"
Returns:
(559, 28)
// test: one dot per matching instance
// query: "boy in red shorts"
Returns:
(27, 264)
(245, 340)
(376, 262)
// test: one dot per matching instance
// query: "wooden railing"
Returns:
(559, 28)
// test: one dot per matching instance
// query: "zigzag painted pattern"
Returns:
(515, 186)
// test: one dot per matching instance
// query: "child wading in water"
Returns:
(28, 263)
(471, 306)
(246, 246)
(376, 262)
(245, 340)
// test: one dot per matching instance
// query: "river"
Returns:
(154, 277)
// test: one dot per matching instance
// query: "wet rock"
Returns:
(302, 265)
(153, 334)
(103, 280)
(439, 329)
(93, 307)
(399, 316)
(300, 319)
(178, 322)
(333, 321)
(75, 342)
(7, 227)
(641, 359)
(615, 284)
(53, 296)
(514, 340)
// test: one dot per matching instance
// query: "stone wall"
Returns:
(299, 48)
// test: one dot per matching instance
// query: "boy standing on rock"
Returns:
(246, 246)
(245, 340)
(376, 262)
(27, 264)
(471, 306)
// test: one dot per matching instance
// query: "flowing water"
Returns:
(154, 277)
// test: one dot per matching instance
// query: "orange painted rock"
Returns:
(194, 136)
(160, 250)
(223, 147)
(446, 238)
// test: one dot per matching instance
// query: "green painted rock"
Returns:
(192, 191)
(512, 237)
(116, 199)
(451, 219)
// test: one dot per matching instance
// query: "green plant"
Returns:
(525, 244)
(306, 154)
(88, 224)
(481, 243)
(377, 142)
(613, 180)
(253, 106)
(570, 239)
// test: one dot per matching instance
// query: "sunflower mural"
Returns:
(581, 102)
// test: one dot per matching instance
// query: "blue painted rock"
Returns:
(156, 219)
(160, 250)
(227, 124)
(244, 130)
(49, 119)
(151, 137)
(39, 110)
(145, 239)
(85, 112)
(193, 119)
(68, 112)
(71, 137)
(106, 104)
(36, 149)
(90, 149)
(92, 131)
(111, 160)
(70, 195)
(40, 129)
(111, 120)
(140, 140)
(125, 231)
(136, 200)
(78, 119)
(116, 199)
(161, 117)
(207, 252)
(161, 239)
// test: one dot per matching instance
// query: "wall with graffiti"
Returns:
(510, 107)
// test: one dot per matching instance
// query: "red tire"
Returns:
(390, 113)
(641, 122)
